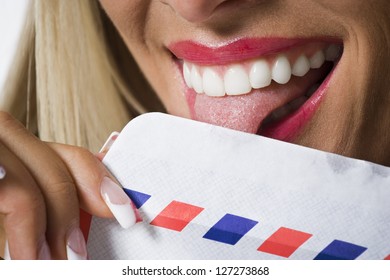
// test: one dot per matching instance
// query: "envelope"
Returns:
(207, 192)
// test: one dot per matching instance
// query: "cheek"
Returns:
(128, 16)
(355, 116)
(114, 9)
(137, 22)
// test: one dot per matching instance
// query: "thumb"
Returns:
(98, 192)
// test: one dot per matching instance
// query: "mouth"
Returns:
(270, 87)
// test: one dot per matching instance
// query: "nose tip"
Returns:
(194, 10)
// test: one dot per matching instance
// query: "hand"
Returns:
(43, 187)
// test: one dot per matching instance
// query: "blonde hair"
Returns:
(73, 78)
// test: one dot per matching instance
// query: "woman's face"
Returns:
(312, 72)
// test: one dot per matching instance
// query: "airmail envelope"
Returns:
(207, 192)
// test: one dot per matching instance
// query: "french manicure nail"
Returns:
(7, 255)
(76, 248)
(44, 252)
(110, 140)
(2, 172)
(118, 202)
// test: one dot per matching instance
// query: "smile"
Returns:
(271, 87)
(241, 78)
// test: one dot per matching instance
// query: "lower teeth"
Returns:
(312, 90)
(287, 109)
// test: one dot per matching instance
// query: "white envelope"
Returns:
(207, 192)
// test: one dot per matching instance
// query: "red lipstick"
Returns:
(236, 50)
(248, 111)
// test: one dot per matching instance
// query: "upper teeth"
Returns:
(236, 79)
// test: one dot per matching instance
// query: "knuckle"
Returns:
(6, 118)
(10, 125)
(82, 161)
(63, 187)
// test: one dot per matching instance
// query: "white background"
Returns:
(12, 13)
(279, 270)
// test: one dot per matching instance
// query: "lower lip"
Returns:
(288, 128)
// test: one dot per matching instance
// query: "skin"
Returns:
(359, 89)
(46, 183)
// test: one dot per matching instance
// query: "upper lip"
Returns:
(236, 50)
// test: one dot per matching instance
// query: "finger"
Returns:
(98, 191)
(53, 179)
(22, 205)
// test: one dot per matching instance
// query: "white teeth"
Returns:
(317, 60)
(212, 83)
(260, 74)
(281, 71)
(332, 52)
(236, 81)
(196, 80)
(187, 74)
(301, 66)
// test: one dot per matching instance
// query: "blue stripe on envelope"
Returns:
(340, 250)
(230, 229)
(138, 198)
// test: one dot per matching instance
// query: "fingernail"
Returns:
(118, 202)
(111, 139)
(7, 255)
(44, 252)
(76, 248)
(2, 172)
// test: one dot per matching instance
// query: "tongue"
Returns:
(246, 112)
(243, 112)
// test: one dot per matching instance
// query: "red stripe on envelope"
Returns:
(176, 215)
(284, 242)
(85, 223)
